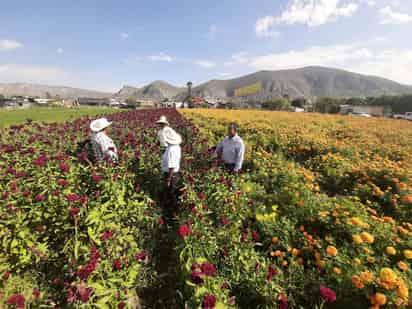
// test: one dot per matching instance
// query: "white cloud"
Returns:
(124, 35)
(212, 32)
(31, 74)
(60, 50)
(205, 64)
(161, 57)
(391, 17)
(308, 12)
(395, 64)
(9, 45)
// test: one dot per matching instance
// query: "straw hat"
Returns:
(170, 136)
(99, 124)
(163, 120)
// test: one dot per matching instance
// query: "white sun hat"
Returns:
(99, 124)
(170, 136)
(163, 120)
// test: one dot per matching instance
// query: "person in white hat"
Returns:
(171, 157)
(102, 145)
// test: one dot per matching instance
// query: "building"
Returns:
(377, 111)
(92, 101)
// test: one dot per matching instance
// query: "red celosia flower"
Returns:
(62, 182)
(255, 236)
(283, 302)
(209, 301)
(36, 293)
(196, 277)
(84, 293)
(72, 197)
(201, 196)
(116, 265)
(327, 294)
(121, 305)
(85, 271)
(140, 256)
(6, 275)
(107, 235)
(96, 178)
(74, 211)
(224, 221)
(184, 231)
(161, 221)
(64, 168)
(208, 269)
(271, 272)
(16, 300)
(39, 198)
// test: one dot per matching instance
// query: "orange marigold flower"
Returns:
(275, 240)
(402, 266)
(366, 276)
(331, 251)
(407, 199)
(337, 270)
(357, 282)
(378, 299)
(402, 290)
(366, 237)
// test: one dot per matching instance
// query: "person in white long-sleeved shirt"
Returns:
(170, 161)
(102, 145)
(231, 150)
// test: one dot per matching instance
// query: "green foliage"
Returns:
(276, 104)
(328, 105)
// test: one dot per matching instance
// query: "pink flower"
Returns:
(16, 300)
(184, 230)
(96, 178)
(327, 294)
(6, 275)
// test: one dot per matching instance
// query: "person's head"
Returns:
(99, 125)
(162, 122)
(232, 129)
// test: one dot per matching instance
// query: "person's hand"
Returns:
(169, 182)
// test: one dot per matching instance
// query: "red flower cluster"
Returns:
(184, 230)
(74, 211)
(327, 294)
(73, 197)
(107, 235)
(16, 300)
(271, 273)
(209, 301)
(62, 182)
(116, 265)
(96, 178)
(140, 256)
(64, 168)
(199, 270)
(85, 271)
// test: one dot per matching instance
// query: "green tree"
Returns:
(277, 104)
(299, 102)
(328, 105)
(2, 98)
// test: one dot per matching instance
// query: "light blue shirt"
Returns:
(232, 150)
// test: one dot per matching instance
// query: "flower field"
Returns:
(320, 217)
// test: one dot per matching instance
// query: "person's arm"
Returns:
(240, 153)
(108, 148)
(218, 151)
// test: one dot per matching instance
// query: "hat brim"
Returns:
(162, 122)
(97, 129)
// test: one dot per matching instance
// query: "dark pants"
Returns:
(230, 167)
(171, 193)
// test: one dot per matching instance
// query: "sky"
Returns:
(104, 44)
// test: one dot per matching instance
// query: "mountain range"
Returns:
(304, 82)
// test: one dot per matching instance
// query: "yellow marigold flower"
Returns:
(387, 275)
(357, 261)
(295, 252)
(378, 299)
(402, 266)
(390, 250)
(357, 239)
(331, 251)
(337, 270)
(371, 259)
(366, 237)
(356, 221)
(408, 254)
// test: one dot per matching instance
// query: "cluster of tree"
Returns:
(277, 104)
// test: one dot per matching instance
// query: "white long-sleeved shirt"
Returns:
(103, 146)
(171, 158)
(233, 151)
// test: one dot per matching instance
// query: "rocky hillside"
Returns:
(36, 90)
(156, 91)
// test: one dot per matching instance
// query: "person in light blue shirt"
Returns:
(231, 150)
